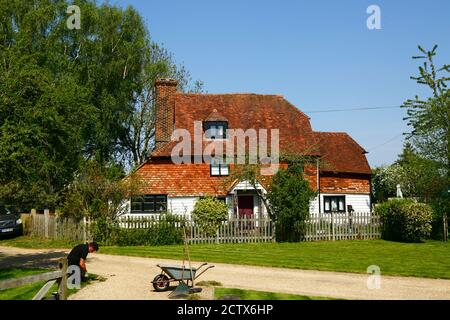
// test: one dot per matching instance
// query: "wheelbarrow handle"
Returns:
(202, 265)
(203, 271)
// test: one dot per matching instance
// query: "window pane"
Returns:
(219, 132)
(333, 204)
(160, 203)
(136, 203)
(136, 206)
(215, 130)
(341, 204)
(224, 170)
(215, 169)
(149, 206)
(327, 204)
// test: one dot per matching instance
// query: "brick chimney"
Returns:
(165, 111)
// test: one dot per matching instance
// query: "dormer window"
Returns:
(219, 168)
(215, 129)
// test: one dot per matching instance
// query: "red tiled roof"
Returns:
(165, 177)
(215, 116)
(246, 111)
(340, 153)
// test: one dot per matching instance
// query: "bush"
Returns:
(289, 197)
(167, 231)
(208, 214)
(405, 220)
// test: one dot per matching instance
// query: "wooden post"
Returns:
(332, 226)
(445, 231)
(62, 282)
(46, 222)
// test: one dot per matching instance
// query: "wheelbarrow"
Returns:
(176, 273)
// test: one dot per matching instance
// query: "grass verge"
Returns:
(238, 294)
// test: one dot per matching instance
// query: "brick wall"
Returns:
(165, 111)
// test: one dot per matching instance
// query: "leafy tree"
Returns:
(417, 176)
(289, 198)
(98, 191)
(430, 118)
(68, 95)
(138, 140)
(430, 121)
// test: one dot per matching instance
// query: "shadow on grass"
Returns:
(43, 260)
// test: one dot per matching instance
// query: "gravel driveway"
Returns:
(129, 278)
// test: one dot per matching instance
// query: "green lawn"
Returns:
(259, 295)
(27, 292)
(430, 259)
(37, 243)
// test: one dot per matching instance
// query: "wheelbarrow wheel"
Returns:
(161, 283)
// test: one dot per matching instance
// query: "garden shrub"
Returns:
(289, 197)
(209, 213)
(167, 231)
(405, 220)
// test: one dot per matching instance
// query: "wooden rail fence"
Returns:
(59, 277)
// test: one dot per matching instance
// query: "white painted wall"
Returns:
(360, 202)
(178, 205)
(181, 205)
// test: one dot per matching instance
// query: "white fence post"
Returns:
(333, 236)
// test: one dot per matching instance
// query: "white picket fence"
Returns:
(328, 226)
(343, 226)
(234, 230)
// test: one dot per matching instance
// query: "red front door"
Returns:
(245, 205)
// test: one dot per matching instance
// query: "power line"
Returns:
(386, 142)
(351, 109)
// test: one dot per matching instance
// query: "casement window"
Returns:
(149, 204)
(219, 169)
(334, 203)
(222, 199)
(215, 129)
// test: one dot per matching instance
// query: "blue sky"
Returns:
(318, 54)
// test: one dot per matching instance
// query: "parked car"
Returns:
(10, 223)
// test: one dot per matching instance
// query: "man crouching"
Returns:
(77, 257)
